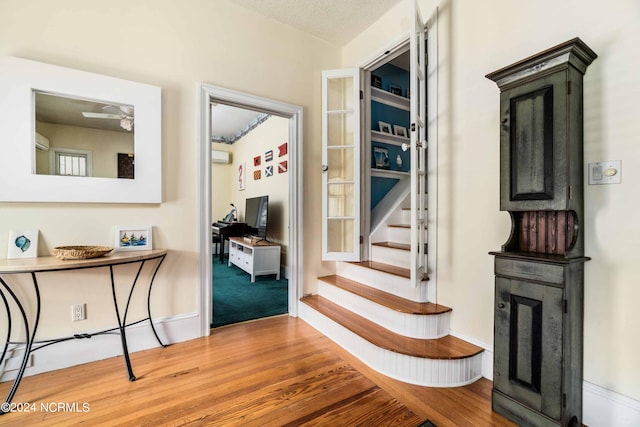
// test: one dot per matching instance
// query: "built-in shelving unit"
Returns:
(388, 98)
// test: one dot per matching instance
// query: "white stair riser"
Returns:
(410, 369)
(410, 325)
(393, 284)
(397, 257)
(399, 234)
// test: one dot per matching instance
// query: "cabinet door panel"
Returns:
(533, 146)
(528, 344)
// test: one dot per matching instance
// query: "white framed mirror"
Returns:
(72, 136)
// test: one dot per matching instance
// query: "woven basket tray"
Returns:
(80, 252)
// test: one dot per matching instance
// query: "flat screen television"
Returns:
(255, 216)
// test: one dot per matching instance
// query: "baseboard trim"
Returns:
(172, 329)
(603, 407)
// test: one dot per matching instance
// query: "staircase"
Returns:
(371, 309)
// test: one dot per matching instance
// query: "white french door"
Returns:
(341, 151)
(418, 146)
(341, 142)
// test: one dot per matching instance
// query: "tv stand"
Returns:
(256, 258)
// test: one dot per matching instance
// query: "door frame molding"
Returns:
(208, 93)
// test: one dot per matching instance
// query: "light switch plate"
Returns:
(605, 172)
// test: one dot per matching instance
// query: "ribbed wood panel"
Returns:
(385, 299)
(549, 232)
(447, 347)
(409, 369)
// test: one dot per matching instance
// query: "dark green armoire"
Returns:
(539, 273)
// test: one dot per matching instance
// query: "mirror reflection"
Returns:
(78, 137)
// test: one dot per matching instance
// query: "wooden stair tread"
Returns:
(387, 268)
(402, 226)
(393, 245)
(385, 299)
(447, 347)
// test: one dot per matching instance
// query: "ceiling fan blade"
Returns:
(101, 115)
(118, 109)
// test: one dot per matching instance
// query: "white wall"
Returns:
(268, 136)
(480, 37)
(222, 183)
(174, 45)
(104, 146)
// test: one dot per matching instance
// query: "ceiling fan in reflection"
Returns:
(121, 112)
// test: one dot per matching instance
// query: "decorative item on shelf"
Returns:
(399, 161)
(396, 90)
(22, 244)
(381, 158)
(376, 81)
(80, 252)
(128, 238)
(400, 131)
(385, 127)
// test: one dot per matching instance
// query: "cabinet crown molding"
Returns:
(573, 53)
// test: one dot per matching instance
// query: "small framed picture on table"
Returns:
(133, 238)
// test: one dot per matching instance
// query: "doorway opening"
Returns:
(250, 205)
(209, 94)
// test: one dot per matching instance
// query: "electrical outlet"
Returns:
(77, 312)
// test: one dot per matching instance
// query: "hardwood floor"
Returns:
(273, 372)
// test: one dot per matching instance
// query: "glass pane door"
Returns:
(340, 165)
(418, 148)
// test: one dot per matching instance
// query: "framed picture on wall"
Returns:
(242, 176)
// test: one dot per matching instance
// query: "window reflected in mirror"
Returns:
(79, 137)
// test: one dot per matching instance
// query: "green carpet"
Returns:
(236, 299)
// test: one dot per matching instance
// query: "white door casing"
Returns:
(206, 94)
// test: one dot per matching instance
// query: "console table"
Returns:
(34, 266)
(257, 259)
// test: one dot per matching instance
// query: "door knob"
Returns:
(501, 305)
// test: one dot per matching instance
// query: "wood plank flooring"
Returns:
(273, 372)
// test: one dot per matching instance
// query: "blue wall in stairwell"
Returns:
(390, 75)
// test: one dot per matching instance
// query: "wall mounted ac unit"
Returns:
(220, 156)
(42, 142)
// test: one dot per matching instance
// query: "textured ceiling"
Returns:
(336, 21)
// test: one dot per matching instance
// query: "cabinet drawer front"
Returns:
(528, 270)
